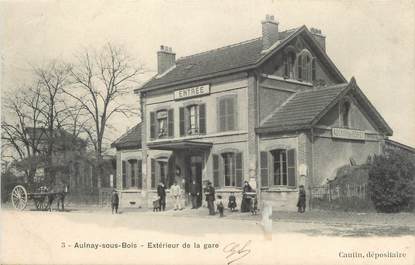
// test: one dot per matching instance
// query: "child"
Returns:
(301, 199)
(219, 205)
(156, 204)
(114, 201)
(254, 206)
(232, 202)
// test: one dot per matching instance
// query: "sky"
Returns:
(374, 41)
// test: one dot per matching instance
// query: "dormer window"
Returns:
(289, 61)
(345, 114)
(304, 66)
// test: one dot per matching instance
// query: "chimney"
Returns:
(319, 37)
(166, 59)
(269, 31)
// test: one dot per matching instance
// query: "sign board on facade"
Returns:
(348, 134)
(302, 170)
(192, 92)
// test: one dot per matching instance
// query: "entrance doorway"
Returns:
(195, 174)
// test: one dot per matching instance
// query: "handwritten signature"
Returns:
(236, 251)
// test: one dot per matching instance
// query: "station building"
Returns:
(274, 111)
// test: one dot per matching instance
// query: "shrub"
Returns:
(392, 182)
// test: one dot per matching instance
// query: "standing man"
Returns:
(194, 193)
(210, 198)
(176, 192)
(161, 192)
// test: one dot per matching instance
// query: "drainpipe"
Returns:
(312, 167)
(258, 176)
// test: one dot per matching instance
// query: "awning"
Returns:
(179, 145)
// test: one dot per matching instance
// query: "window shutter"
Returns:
(313, 69)
(239, 169)
(264, 169)
(215, 170)
(139, 174)
(133, 172)
(170, 117)
(182, 121)
(299, 67)
(286, 71)
(291, 167)
(152, 125)
(124, 174)
(230, 114)
(170, 174)
(153, 173)
(222, 115)
(221, 172)
(202, 118)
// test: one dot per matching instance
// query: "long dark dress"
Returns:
(301, 201)
(161, 192)
(246, 201)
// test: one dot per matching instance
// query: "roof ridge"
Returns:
(220, 48)
(323, 88)
(126, 133)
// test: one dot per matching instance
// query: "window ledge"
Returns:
(279, 189)
(230, 189)
(289, 80)
(130, 190)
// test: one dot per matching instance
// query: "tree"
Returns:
(34, 116)
(23, 111)
(100, 80)
(52, 80)
(392, 181)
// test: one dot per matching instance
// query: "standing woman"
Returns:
(301, 199)
(161, 192)
(246, 201)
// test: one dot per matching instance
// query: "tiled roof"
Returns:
(215, 61)
(302, 108)
(131, 139)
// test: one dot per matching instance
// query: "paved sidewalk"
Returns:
(314, 216)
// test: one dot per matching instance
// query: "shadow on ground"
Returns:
(358, 231)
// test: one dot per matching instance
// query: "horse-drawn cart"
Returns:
(42, 198)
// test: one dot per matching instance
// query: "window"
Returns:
(278, 168)
(227, 113)
(227, 169)
(304, 66)
(160, 171)
(345, 110)
(162, 124)
(162, 176)
(124, 174)
(289, 60)
(193, 119)
(139, 174)
(132, 172)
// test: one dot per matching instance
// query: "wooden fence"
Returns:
(342, 197)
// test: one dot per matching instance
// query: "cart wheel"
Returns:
(19, 197)
(42, 204)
